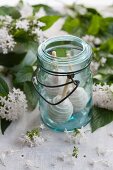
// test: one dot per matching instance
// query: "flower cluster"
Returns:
(6, 41)
(5, 20)
(32, 138)
(14, 105)
(11, 29)
(22, 24)
(76, 135)
(103, 96)
(94, 66)
(93, 41)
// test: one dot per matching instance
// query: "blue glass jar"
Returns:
(63, 81)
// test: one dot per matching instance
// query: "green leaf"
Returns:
(98, 77)
(11, 58)
(4, 125)
(95, 25)
(109, 61)
(106, 71)
(30, 57)
(100, 118)
(4, 89)
(21, 36)
(49, 21)
(25, 74)
(48, 10)
(31, 95)
(107, 46)
(12, 11)
(71, 25)
(93, 11)
(107, 26)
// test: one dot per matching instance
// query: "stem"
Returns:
(65, 90)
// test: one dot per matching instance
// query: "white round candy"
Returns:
(61, 112)
(79, 99)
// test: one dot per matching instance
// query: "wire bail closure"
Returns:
(36, 81)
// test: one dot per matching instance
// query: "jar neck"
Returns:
(80, 53)
(60, 73)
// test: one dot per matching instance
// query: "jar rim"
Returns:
(84, 56)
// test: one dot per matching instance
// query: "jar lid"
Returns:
(79, 54)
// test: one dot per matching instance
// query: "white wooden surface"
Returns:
(46, 155)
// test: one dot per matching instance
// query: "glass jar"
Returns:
(63, 82)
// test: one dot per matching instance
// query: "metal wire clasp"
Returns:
(36, 81)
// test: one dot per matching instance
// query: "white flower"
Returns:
(66, 131)
(14, 106)
(41, 24)
(40, 13)
(6, 20)
(82, 132)
(3, 69)
(26, 11)
(6, 41)
(42, 126)
(39, 35)
(24, 24)
(68, 136)
(94, 67)
(29, 164)
(75, 137)
(103, 96)
(81, 135)
(111, 88)
(35, 141)
(103, 61)
(92, 40)
(35, 80)
(97, 41)
(31, 138)
(89, 39)
(1, 17)
(38, 140)
(24, 139)
(80, 9)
